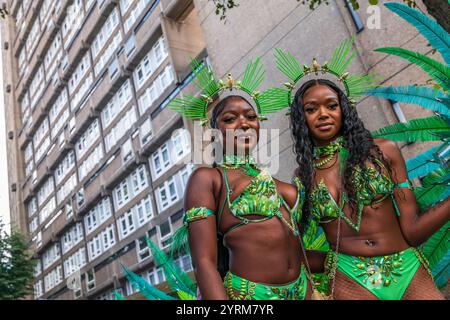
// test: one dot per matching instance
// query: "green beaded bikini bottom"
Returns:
(238, 288)
(386, 277)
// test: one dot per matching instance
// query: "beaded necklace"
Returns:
(247, 164)
(329, 150)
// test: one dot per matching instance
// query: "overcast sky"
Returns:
(4, 196)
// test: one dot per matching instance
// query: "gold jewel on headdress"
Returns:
(196, 108)
(355, 85)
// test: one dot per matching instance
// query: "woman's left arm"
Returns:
(416, 227)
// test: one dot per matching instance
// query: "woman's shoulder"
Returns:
(204, 175)
(388, 147)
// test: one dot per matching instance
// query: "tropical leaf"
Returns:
(253, 76)
(288, 65)
(420, 129)
(426, 97)
(422, 164)
(430, 29)
(438, 71)
(146, 289)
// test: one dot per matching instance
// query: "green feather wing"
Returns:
(422, 164)
(177, 279)
(430, 29)
(118, 296)
(438, 71)
(146, 289)
(426, 97)
(421, 129)
(437, 246)
(434, 188)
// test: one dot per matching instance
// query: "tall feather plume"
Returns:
(438, 71)
(420, 129)
(426, 97)
(430, 29)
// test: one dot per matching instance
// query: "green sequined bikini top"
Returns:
(260, 197)
(369, 184)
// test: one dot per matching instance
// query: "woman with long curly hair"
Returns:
(358, 190)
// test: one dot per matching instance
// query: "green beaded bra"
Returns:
(259, 197)
(369, 184)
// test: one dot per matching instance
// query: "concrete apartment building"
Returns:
(97, 161)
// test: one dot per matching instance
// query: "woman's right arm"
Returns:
(200, 193)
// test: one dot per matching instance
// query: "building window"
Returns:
(103, 241)
(156, 276)
(51, 255)
(99, 214)
(116, 104)
(72, 237)
(150, 63)
(130, 187)
(75, 262)
(90, 280)
(165, 234)
(87, 139)
(120, 129)
(53, 278)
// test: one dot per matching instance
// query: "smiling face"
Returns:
(239, 125)
(323, 113)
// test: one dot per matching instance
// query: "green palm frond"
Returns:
(421, 129)
(438, 71)
(253, 76)
(204, 79)
(342, 56)
(274, 99)
(190, 107)
(423, 163)
(430, 29)
(288, 65)
(426, 97)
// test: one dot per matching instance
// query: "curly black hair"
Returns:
(359, 141)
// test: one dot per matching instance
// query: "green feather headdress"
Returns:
(355, 85)
(196, 107)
